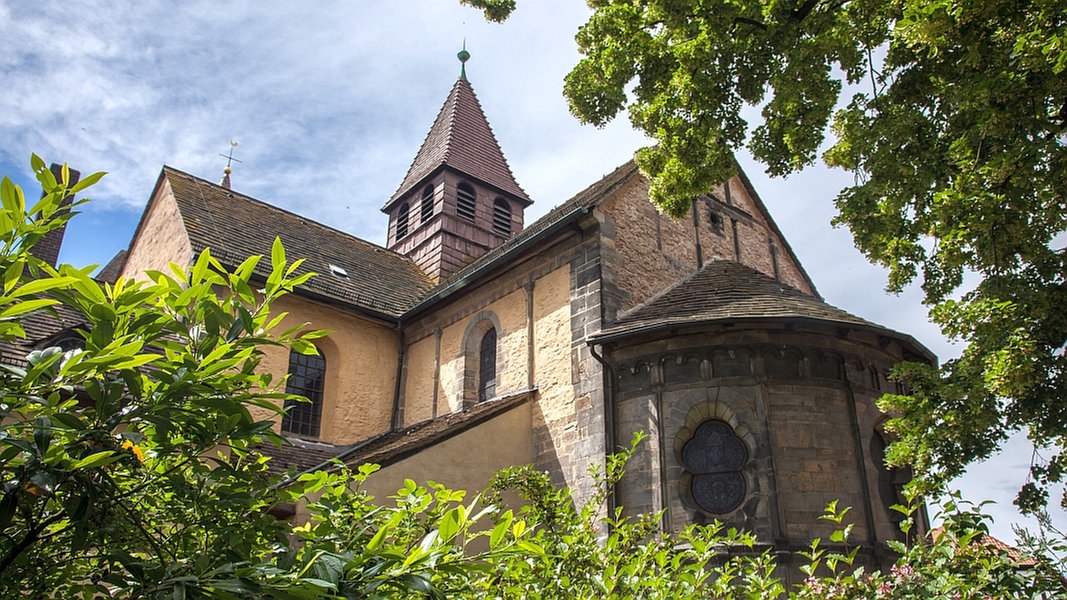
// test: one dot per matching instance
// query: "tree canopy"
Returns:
(953, 117)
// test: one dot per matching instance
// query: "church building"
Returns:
(475, 340)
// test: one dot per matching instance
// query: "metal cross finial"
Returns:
(229, 160)
(229, 157)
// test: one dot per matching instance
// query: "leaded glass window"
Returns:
(306, 375)
(714, 457)
(487, 366)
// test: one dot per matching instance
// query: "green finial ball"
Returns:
(463, 55)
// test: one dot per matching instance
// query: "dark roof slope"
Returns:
(235, 227)
(41, 326)
(462, 139)
(730, 291)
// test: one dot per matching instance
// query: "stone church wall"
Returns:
(654, 251)
(800, 404)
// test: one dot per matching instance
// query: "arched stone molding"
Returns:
(480, 324)
(714, 411)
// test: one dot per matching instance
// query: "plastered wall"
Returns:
(361, 366)
(161, 238)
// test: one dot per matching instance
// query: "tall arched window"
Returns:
(402, 221)
(487, 366)
(501, 218)
(465, 201)
(426, 208)
(306, 376)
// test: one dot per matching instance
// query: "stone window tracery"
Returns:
(714, 457)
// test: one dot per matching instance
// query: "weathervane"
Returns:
(229, 160)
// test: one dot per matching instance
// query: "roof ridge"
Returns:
(276, 208)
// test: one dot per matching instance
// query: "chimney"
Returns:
(47, 248)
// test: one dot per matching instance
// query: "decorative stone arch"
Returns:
(723, 488)
(684, 367)
(784, 362)
(481, 372)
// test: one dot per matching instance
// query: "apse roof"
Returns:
(462, 139)
(727, 291)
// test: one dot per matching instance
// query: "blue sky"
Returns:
(329, 101)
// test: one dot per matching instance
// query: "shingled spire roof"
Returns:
(462, 139)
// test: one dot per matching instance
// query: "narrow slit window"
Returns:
(487, 366)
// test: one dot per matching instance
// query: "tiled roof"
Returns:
(727, 291)
(40, 326)
(389, 447)
(235, 227)
(297, 456)
(461, 138)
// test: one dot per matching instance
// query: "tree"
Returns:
(955, 127)
(129, 464)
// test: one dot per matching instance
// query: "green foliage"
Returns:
(494, 10)
(955, 126)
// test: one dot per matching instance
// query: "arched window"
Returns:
(306, 375)
(501, 218)
(714, 457)
(487, 366)
(402, 221)
(465, 201)
(426, 209)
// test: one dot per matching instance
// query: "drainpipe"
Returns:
(394, 420)
(609, 414)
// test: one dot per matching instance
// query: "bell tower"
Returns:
(459, 198)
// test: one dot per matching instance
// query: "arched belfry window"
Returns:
(402, 221)
(306, 377)
(465, 200)
(714, 457)
(501, 218)
(487, 366)
(426, 208)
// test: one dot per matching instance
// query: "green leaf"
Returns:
(97, 459)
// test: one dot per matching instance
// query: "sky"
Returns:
(328, 103)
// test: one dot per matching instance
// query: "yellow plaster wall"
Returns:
(361, 362)
(161, 238)
(465, 461)
(419, 382)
